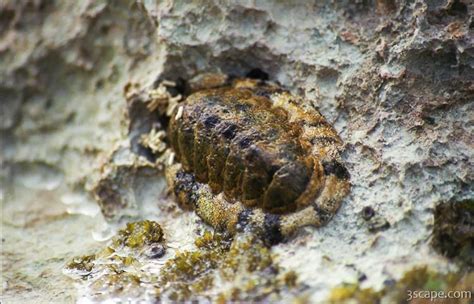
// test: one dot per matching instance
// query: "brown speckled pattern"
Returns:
(250, 155)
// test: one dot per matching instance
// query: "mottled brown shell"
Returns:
(237, 142)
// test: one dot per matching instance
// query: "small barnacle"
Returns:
(131, 89)
(179, 114)
(154, 141)
(171, 158)
(161, 97)
(249, 155)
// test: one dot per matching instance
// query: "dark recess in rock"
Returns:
(453, 232)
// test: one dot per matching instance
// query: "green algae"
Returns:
(219, 269)
(244, 265)
(138, 234)
(116, 269)
(453, 237)
(82, 264)
(353, 292)
(416, 279)
(118, 282)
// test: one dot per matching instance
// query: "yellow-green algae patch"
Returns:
(116, 269)
(219, 269)
(138, 234)
(420, 280)
(244, 269)
(124, 247)
(82, 263)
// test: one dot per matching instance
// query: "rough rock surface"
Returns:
(395, 77)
